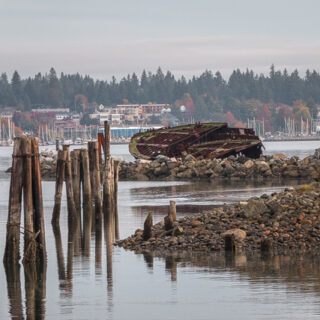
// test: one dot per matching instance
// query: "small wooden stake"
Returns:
(60, 174)
(229, 243)
(173, 210)
(12, 254)
(168, 222)
(147, 228)
(266, 245)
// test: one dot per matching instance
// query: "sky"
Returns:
(103, 38)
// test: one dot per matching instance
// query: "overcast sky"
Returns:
(116, 37)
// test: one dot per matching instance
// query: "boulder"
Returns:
(248, 164)
(238, 234)
(255, 207)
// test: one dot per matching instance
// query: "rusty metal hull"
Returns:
(206, 140)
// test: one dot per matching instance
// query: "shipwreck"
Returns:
(201, 140)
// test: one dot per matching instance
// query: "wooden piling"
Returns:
(87, 201)
(39, 228)
(168, 222)
(266, 245)
(60, 175)
(147, 227)
(69, 185)
(115, 200)
(12, 254)
(108, 179)
(93, 150)
(29, 241)
(229, 243)
(76, 183)
(86, 185)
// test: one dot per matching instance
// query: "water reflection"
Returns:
(35, 291)
(297, 271)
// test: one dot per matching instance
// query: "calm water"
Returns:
(106, 283)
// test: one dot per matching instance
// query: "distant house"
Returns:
(62, 116)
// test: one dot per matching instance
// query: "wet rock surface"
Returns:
(289, 220)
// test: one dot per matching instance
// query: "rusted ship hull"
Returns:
(206, 140)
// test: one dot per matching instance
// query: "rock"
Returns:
(238, 234)
(317, 154)
(189, 157)
(178, 231)
(255, 208)
(161, 158)
(196, 223)
(248, 164)
(279, 156)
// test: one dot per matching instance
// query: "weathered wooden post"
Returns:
(29, 241)
(229, 243)
(87, 201)
(147, 227)
(76, 182)
(38, 203)
(12, 254)
(168, 222)
(95, 178)
(108, 180)
(69, 185)
(173, 210)
(60, 174)
(266, 245)
(115, 200)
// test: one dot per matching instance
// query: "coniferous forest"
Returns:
(245, 94)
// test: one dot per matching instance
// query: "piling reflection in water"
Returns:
(14, 290)
(294, 270)
(35, 291)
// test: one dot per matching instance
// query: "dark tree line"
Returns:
(210, 93)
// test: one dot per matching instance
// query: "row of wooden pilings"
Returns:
(80, 170)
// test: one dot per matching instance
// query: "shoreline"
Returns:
(280, 222)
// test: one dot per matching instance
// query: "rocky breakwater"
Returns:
(281, 221)
(236, 168)
(48, 162)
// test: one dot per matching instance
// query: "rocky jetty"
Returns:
(48, 162)
(281, 221)
(236, 168)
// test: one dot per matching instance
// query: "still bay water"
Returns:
(124, 285)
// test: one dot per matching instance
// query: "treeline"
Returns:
(207, 95)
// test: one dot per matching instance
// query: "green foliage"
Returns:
(206, 97)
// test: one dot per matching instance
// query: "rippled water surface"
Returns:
(111, 283)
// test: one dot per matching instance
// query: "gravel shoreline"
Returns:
(289, 220)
